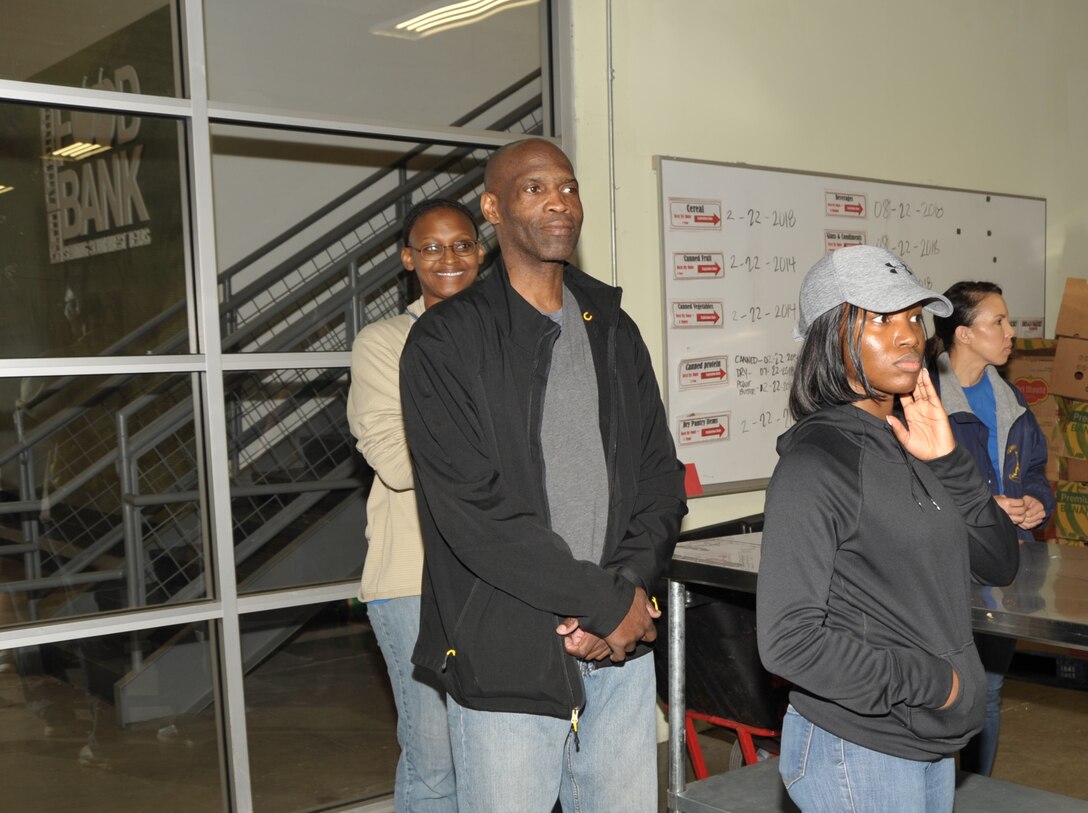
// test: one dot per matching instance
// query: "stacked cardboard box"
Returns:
(1030, 370)
(1049, 373)
(1069, 387)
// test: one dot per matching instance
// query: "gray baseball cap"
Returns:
(868, 277)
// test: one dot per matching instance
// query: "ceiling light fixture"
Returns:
(4, 189)
(445, 17)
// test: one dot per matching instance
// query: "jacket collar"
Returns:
(522, 322)
(955, 400)
(415, 309)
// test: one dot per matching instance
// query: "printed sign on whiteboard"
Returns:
(693, 214)
(844, 204)
(705, 372)
(697, 314)
(841, 239)
(704, 428)
(697, 266)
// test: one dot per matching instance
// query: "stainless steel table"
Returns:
(1047, 603)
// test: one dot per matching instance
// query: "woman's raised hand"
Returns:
(927, 434)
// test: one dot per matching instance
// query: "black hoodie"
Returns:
(864, 583)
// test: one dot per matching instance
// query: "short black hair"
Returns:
(820, 378)
(965, 297)
(430, 204)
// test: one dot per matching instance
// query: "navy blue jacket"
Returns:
(1024, 449)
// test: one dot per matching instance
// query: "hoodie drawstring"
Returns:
(914, 478)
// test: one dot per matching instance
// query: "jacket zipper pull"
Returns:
(446, 659)
(574, 728)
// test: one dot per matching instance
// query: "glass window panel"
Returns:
(125, 45)
(341, 58)
(94, 247)
(309, 230)
(101, 508)
(320, 715)
(297, 483)
(123, 722)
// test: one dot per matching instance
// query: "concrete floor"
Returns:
(321, 735)
(1044, 740)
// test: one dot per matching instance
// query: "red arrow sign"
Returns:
(715, 430)
(708, 269)
(708, 219)
(853, 207)
(715, 374)
(707, 317)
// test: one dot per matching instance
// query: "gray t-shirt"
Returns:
(576, 476)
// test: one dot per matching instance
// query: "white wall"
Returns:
(978, 94)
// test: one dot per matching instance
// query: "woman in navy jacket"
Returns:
(991, 421)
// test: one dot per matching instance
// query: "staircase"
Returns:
(109, 509)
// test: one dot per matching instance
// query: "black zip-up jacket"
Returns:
(497, 580)
(865, 577)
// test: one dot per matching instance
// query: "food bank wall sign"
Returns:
(94, 205)
(96, 248)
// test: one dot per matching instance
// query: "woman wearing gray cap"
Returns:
(876, 523)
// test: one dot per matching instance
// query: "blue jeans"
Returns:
(826, 774)
(979, 756)
(523, 762)
(996, 654)
(425, 778)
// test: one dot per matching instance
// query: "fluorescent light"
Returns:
(4, 189)
(445, 17)
(78, 150)
(461, 13)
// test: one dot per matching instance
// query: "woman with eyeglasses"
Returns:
(990, 420)
(442, 247)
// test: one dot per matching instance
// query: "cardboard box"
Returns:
(1030, 370)
(1070, 374)
(1053, 470)
(1077, 543)
(1073, 313)
(1073, 428)
(1035, 347)
(1071, 512)
(1073, 469)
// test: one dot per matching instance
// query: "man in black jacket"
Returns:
(550, 498)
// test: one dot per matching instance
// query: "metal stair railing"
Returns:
(387, 269)
(365, 296)
(129, 344)
(350, 194)
(253, 330)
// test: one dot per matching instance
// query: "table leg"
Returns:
(677, 612)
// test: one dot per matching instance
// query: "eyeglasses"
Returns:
(433, 251)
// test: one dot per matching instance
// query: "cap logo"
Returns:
(895, 268)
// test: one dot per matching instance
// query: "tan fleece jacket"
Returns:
(394, 559)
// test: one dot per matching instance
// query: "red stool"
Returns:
(744, 737)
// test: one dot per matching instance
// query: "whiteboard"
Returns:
(736, 243)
